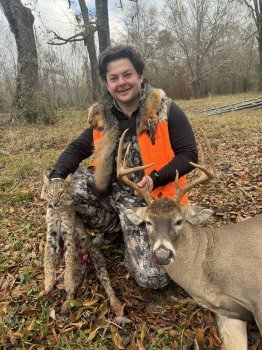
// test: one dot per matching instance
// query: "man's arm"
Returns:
(183, 143)
(72, 156)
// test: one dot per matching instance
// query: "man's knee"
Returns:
(156, 280)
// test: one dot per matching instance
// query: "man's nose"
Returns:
(121, 80)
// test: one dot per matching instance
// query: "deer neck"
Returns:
(190, 249)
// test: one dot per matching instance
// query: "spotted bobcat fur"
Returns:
(65, 228)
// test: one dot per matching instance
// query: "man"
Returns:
(158, 131)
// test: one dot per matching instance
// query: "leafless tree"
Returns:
(198, 26)
(90, 44)
(102, 23)
(87, 35)
(141, 23)
(255, 6)
(21, 21)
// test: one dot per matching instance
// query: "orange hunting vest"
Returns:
(160, 154)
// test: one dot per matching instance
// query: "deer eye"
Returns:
(178, 222)
(148, 223)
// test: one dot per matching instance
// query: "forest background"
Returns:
(192, 48)
(205, 54)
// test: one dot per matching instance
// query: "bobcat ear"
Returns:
(68, 179)
(46, 181)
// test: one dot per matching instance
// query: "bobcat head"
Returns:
(59, 192)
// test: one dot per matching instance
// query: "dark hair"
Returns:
(114, 53)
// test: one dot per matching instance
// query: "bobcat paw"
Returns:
(65, 307)
(41, 294)
(49, 288)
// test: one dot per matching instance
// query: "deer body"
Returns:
(220, 268)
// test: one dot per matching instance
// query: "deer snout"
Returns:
(163, 256)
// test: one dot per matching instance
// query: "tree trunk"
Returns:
(102, 23)
(21, 22)
(260, 60)
(258, 20)
(90, 43)
(256, 11)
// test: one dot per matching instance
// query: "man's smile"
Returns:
(125, 90)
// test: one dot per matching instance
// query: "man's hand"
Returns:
(146, 183)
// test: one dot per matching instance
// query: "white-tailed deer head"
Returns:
(164, 217)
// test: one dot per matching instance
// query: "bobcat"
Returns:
(65, 228)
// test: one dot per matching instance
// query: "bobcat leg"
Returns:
(74, 267)
(71, 277)
(233, 333)
(100, 266)
(49, 261)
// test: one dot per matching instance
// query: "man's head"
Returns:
(122, 69)
(117, 52)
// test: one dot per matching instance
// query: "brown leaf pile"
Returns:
(161, 320)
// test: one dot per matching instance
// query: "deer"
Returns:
(220, 268)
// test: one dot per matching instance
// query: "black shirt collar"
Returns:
(121, 115)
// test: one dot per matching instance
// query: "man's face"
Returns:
(123, 81)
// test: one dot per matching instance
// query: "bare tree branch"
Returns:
(120, 6)
(252, 10)
(67, 40)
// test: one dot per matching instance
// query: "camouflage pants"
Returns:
(107, 216)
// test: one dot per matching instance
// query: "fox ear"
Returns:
(46, 181)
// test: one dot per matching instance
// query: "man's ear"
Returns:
(135, 215)
(196, 215)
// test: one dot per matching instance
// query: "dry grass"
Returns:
(160, 321)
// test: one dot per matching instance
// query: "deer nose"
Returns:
(162, 256)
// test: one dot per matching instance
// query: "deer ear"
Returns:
(196, 215)
(135, 215)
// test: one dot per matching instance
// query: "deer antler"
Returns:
(123, 171)
(205, 176)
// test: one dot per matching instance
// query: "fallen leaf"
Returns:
(52, 314)
(117, 338)
(143, 332)
(90, 302)
(72, 326)
(92, 334)
(139, 345)
(31, 327)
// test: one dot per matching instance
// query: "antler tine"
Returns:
(123, 171)
(205, 176)
(210, 153)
